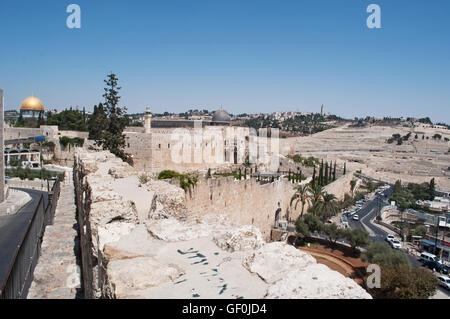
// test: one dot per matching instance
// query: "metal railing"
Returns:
(16, 283)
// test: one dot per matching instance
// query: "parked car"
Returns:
(355, 217)
(396, 244)
(444, 281)
(425, 257)
(436, 265)
(390, 238)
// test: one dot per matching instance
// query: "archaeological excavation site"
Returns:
(146, 238)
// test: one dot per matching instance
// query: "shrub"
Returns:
(143, 179)
(185, 180)
(382, 254)
(404, 282)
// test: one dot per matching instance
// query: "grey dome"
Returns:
(221, 116)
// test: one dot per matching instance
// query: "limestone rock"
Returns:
(90, 167)
(113, 232)
(243, 238)
(138, 273)
(171, 199)
(172, 229)
(105, 212)
(122, 170)
(274, 260)
(316, 281)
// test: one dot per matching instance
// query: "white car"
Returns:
(396, 244)
(390, 238)
(355, 217)
(444, 281)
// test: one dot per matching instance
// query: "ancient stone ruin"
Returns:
(152, 240)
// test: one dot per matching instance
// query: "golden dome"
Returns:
(32, 103)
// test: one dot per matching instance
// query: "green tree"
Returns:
(353, 186)
(302, 229)
(313, 181)
(313, 222)
(404, 282)
(329, 206)
(112, 138)
(432, 188)
(333, 232)
(382, 254)
(357, 237)
(334, 171)
(301, 195)
(321, 174)
(98, 123)
(316, 194)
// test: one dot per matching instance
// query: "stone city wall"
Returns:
(245, 202)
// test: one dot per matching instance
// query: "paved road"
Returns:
(441, 294)
(369, 211)
(12, 229)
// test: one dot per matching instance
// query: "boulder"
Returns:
(316, 281)
(243, 238)
(171, 199)
(274, 260)
(113, 232)
(172, 229)
(122, 170)
(125, 275)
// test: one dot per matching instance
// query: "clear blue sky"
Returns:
(247, 55)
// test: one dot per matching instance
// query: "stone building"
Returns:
(186, 145)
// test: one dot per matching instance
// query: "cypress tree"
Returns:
(330, 176)
(314, 175)
(326, 174)
(334, 171)
(321, 174)
(345, 168)
(432, 188)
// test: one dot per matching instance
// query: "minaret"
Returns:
(148, 121)
(321, 110)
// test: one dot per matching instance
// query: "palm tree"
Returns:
(316, 194)
(353, 186)
(329, 206)
(301, 195)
